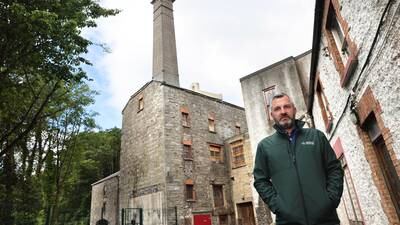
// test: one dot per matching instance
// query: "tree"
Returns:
(97, 157)
(43, 39)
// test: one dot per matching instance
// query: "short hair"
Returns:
(280, 95)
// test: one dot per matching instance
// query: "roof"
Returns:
(185, 90)
(116, 174)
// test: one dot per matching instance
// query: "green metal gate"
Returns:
(132, 216)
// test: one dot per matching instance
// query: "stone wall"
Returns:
(142, 161)
(242, 175)
(104, 202)
(200, 169)
(152, 162)
(381, 76)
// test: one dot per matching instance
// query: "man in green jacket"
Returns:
(296, 171)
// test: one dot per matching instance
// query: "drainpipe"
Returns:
(318, 14)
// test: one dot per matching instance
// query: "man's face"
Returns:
(283, 112)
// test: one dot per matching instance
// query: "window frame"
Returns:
(352, 195)
(140, 103)
(185, 116)
(237, 129)
(268, 94)
(218, 201)
(213, 158)
(233, 145)
(345, 65)
(192, 197)
(211, 123)
(187, 145)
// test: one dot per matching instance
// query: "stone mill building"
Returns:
(184, 152)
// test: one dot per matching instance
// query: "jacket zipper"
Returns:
(293, 155)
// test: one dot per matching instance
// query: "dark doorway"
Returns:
(246, 213)
(386, 165)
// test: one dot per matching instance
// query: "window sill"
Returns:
(238, 166)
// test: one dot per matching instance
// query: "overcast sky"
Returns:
(218, 42)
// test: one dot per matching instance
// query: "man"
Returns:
(296, 172)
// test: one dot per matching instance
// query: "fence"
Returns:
(140, 216)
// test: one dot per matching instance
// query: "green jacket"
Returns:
(302, 182)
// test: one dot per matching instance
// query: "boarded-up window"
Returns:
(187, 152)
(215, 153)
(323, 104)
(237, 129)
(237, 154)
(140, 103)
(269, 93)
(185, 116)
(185, 120)
(211, 122)
(218, 195)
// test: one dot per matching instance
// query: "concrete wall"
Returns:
(283, 74)
(303, 62)
(289, 76)
(105, 193)
(382, 77)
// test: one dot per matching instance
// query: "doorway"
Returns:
(246, 213)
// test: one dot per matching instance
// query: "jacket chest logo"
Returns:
(307, 143)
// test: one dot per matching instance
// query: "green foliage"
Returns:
(98, 157)
(43, 108)
(41, 50)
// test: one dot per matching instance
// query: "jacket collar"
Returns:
(297, 123)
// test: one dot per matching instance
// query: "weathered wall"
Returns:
(241, 176)
(285, 76)
(303, 62)
(382, 76)
(142, 164)
(105, 197)
(288, 75)
(201, 169)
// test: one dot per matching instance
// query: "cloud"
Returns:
(218, 42)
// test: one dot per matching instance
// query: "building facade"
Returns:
(241, 170)
(354, 99)
(177, 150)
(291, 76)
(173, 162)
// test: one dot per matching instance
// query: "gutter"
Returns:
(318, 14)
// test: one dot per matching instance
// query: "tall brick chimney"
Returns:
(165, 63)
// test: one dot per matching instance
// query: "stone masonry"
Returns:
(104, 202)
(153, 169)
(372, 88)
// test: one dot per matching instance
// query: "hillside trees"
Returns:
(43, 103)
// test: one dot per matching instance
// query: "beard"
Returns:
(285, 124)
